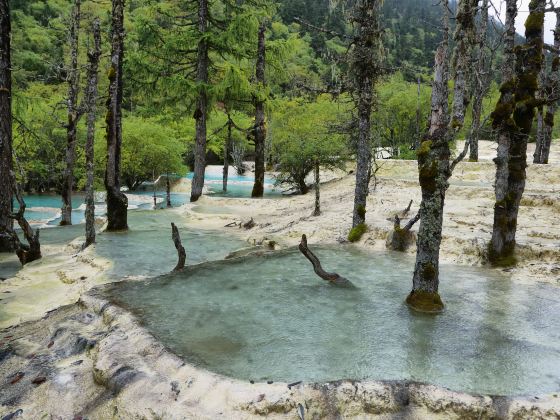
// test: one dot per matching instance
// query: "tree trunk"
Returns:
(332, 278)
(317, 210)
(514, 116)
(91, 99)
(227, 149)
(540, 128)
(433, 157)
(73, 80)
(542, 151)
(181, 254)
(201, 111)
(364, 71)
(481, 81)
(7, 243)
(500, 121)
(117, 202)
(167, 191)
(260, 128)
(32, 252)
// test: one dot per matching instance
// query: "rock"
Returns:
(39, 380)
(17, 377)
(13, 415)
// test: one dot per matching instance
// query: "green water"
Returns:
(273, 319)
(147, 250)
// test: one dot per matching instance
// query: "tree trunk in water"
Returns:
(364, 72)
(227, 148)
(73, 80)
(260, 128)
(317, 210)
(117, 202)
(433, 162)
(433, 157)
(332, 278)
(515, 120)
(201, 111)
(167, 191)
(91, 99)
(181, 254)
(7, 243)
(480, 83)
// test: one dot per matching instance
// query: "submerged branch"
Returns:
(332, 278)
(179, 246)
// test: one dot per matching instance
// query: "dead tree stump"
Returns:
(332, 278)
(179, 246)
(401, 237)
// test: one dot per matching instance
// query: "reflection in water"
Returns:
(272, 318)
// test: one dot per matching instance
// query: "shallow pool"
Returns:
(271, 318)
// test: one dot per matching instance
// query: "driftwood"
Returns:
(179, 246)
(332, 278)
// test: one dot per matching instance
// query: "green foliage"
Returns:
(149, 148)
(394, 122)
(302, 139)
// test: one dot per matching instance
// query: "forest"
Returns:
(178, 178)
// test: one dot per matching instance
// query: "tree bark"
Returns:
(7, 243)
(32, 252)
(227, 149)
(182, 255)
(332, 278)
(73, 80)
(501, 120)
(167, 191)
(364, 70)
(201, 112)
(542, 150)
(91, 99)
(514, 116)
(434, 166)
(317, 210)
(117, 202)
(259, 130)
(481, 82)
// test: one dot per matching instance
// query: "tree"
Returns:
(434, 165)
(513, 118)
(74, 113)
(201, 112)
(259, 130)
(6, 162)
(149, 148)
(117, 203)
(481, 82)
(303, 141)
(91, 97)
(551, 90)
(364, 71)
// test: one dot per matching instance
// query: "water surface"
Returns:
(273, 319)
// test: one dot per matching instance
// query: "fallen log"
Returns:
(332, 278)
(179, 246)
